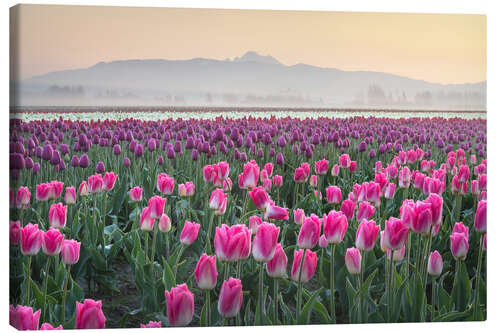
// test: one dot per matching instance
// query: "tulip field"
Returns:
(287, 219)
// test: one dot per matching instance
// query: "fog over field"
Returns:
(249, 80)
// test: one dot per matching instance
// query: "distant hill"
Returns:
(251, 79)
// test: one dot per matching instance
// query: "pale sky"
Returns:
(441, 48)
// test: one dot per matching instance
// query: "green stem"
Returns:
(389, 293)
(28, 287)
(360, 304)
(181, 251)
(332, 282)
(478, 278)
(261, 293)
(208, 307)
(153, 247)
(166, 246)
(408, 257)
(146, 245)
(276, 287)
(299, 296)
(434, 283)
(65, 293)
(45, 283)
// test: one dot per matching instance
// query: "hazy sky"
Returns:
(444, 48)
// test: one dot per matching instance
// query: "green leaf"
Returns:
(460, 293)
(168, 276)
(453, 316)
(305, 315)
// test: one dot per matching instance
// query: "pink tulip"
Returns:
(70, 251)
(249, 178)
(365, 211)
(395, 233)
(353, 166)
(334, 227)
(344, 161)
(299, 216)
(109, 181)
(435, 229)
(189, 233)
(322, 241)
(52, 241)
(309, 232)
(347, 207)
(353, 260)
(407, 212)
(152, 324)
(254, 223)
(89, 315)
(70, 195)
(180, 305)
(15, 232)
(402, 157)
(335, 170)
(269, 168)
(436, 202)
(435, 264)
(264, 242)
(372, 192)
(333, 195)
(300, 175)
(156, 206)
(366, 235)
(263, 175)
(207, 172)
(164, 224)
(83, 190)
(42, 192)
(398, 254)
(277, 180)
(217, 199)
(474, 187)
(23, 197)
(423, 218)
(276, 267)
(165, 184)
(268, 184)
(404, 177)
(459, 245)
(480, 217)
(31, 240)
(308, 268)
(276, 213)
(461, 228)
(484, 242)
(321, 167)
(57, 215)
(482, 179)
(221, 170)
(230, 298)
(381, 180)
(49, 327)
(418, 181)
(227, 185)
(232, 244)
(56, 188)
(206, 272)
(22, 318)
(392, 171)
(463, 173)
(259, 197)
(313, 181)
(96, 183)
(147, 223)
(136, 194)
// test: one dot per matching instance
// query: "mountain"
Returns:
(251, 79)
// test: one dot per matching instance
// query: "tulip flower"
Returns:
(459, 245)
(298, 216)
(461, 228)
(366, 235)
(83, 190)
(109, 180)
(277, 180)
(70, 251)
(333, 195)
(230, 298)
(227, 185)
(180, 305)
(23, 318)
(435, 264)
(89, 315)
(147, 222)
(217, 199)
(164, 224)
(23, 197)
(52, 241)
(436, 202)
(264, 243)
(275, 213)
(57, 215)
(42, 192)
(254, 223)
(249, 178)
(15, 232)
(156, 206)
(49, 327)
(480, 217)
(347, 207)
(70, 195)
(334, 227)
(423, 218)
(309, 265)
(321, 167)
(353, 260)
(344, 161)
(232, 243)
(365, 211)
(398, 254)
(276, 267)
(313, 181)
(152, 324)
(260, 197)
(96, 183)
(136, 194)
(165, 184)
(189, 233)
(309, 232)
(395, 234)
(300, 175)
(404, 177)
(31, 239)
(322, 242)
(206, 272)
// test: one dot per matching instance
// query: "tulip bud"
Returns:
(309, 266)
(459, 245)
(276, 267)
(180, 305)
(83, 189)
(366, 235)
(230, 298)
(254, 223)
(52, 241)
(136, 194)
(23, 318)
(31, 240)
(164, 223)
(264, 243)
(156, 206)
(353, 260)
(152, 324)
(70, 195)
(206, 272)
(334, 227)
(89, 315)
(309, 232)
(70, 251)
(57, 215)
(298, 216)
(15, 232)
(435, 264)
(480, 217)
